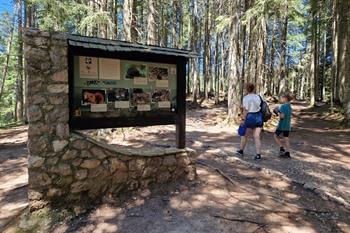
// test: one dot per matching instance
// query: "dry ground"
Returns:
(228, 196)
(13, 173)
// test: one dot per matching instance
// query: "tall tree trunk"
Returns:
(217, 70)
(175, 23)
(19, 81)
(272, 61)
(103, 28)
(234, 100)
(7, 56)
(222, 67)
(115, 19)
(282, 84)
(206, 50)
(127, 19)
(26, 23)
(164, 32)
(344, 55)
(335, 52)
(314, 53)
(180, 18)
(151, 24)
(134, 31)
(324, 61)
(194, 47)
(260, 64)
(28, 14)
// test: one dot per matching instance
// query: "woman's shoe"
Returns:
(286, 155)
(257, 157)
(239, 153)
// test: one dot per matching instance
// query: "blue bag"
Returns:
(242, 129)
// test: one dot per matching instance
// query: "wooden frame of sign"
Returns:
(178, 117)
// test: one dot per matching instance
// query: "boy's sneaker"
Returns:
(286, 155)
(257, 157)
(239, 152)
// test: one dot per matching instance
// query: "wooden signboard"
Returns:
(126, 89)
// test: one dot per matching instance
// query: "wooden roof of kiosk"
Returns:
(122, 46)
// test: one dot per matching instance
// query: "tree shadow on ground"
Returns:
(324, 164)
(249, 202)
(13, 174)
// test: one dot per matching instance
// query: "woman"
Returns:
(252, 119)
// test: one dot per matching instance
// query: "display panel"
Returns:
(109, 69)
(88, 67)
(114, 88)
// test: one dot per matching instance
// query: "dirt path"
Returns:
(249, 202)
(13, 173)
(232, 197)
(321, 152)
(246, 200)
(321, 155)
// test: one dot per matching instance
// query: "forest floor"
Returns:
(231, 194)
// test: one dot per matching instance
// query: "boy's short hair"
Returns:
(288, 96)
(250, 87)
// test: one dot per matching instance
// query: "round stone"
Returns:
(90, 163)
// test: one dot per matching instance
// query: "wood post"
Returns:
(181, 105)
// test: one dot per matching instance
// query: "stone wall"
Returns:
(66, 167)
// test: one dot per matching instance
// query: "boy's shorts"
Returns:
(284, 133)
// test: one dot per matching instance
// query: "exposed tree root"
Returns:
(260, 224)
(315, 211)
(218, 171)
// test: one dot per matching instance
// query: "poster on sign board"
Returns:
(109, 69)
(88, 67)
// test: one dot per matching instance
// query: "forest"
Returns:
(300, 46)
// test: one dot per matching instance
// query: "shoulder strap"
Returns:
(261, 100)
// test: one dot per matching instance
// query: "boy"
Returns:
(284, 125)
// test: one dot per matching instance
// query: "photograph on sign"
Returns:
(88, 67)
(160, 95)
(140, 97)
(158, 73)
(109, 69)
(135, 70)
(118, 94)
(162, 98)
(93, 97)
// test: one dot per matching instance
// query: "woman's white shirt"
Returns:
(251, 103)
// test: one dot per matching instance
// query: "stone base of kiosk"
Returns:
(86, 170)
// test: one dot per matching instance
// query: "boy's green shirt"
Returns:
(285, 123)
